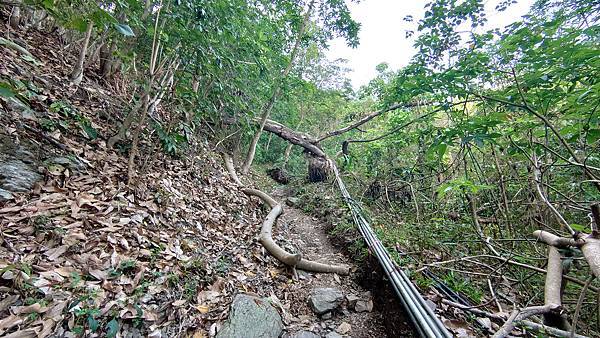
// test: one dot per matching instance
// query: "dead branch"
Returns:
(526, 323)
(540, 192)
(525, 313)
(556, 241)
(553, 290)
(579, 305)
(368, 118)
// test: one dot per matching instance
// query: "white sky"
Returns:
(382, 34)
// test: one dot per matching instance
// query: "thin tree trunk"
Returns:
(269, 106)
(286, 155)
(77, 74)
(106, 58)
(502, 191)
(15, 16)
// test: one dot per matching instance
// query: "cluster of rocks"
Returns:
(251, 316)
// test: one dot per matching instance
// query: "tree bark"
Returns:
(106, 58)
(77, 74)
(553, 290)
(15, 16)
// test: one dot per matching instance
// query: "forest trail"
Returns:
(310, 236)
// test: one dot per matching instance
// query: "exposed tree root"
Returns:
(266, 238)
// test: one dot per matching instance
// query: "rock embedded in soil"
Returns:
(343, 328)
(364, 306)
(292, 201)
(323, 300)
(5, 195)
(303, 334)
(333, 335)
(352, 300)
(251, 317)
(17, 176)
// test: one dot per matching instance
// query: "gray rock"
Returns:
(333, 335)
(5, 195)
(17, 176)
(327, 316)
(364, 306)
(251, 317)
(304, 334)
(352, 299)
(291, 201)
(71, 163)
(322, 300)
(21, 108)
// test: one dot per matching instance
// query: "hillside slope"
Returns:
(82, 253)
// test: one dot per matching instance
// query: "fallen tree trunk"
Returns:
(266, 237)
(303, 140)
(318, 166)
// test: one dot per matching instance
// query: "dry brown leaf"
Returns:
(9, 322)
(54, 253)
(203, 308)
(33, 308)
(199, 334)
(179, 303)
(8, 301)
(28, 333)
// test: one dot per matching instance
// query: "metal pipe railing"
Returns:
(423, 317)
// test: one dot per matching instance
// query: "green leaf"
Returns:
(91, 132)
(6, 90)
(592, 136)
(112, 328)
(93, 323)
(124, 29)
(578, 227)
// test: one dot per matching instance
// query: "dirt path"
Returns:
(309, 236)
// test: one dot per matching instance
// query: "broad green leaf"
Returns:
(92, 323)
(6, 90)
(112, 328)
(124, 29)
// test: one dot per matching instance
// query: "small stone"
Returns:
(352, 299)
(364, 306)
(71, 163)
(304, 334)
(344, 328)
(333, 335)
(327, 316)
(302, 274)
(291, 201)
(322, 300)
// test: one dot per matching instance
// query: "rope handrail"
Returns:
(423, 317)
